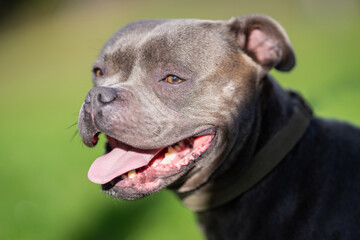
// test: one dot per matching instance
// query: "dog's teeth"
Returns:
(168, 157)
(171, 150)
(132, 174)
(177, 148)
(181, 144)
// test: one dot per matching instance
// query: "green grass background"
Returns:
(45, 67)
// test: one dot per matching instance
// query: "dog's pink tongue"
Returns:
(118, 162)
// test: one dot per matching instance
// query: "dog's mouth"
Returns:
(128, 167)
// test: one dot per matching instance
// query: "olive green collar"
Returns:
(262, 164)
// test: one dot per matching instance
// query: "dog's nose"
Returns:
(100, 96)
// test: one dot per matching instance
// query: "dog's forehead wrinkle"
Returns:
(124, 37)
(134, 35)
(191, 44)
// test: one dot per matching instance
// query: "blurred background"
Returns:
(46, 53)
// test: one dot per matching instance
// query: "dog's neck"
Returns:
(274, 110)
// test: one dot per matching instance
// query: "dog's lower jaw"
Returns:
(129, 193)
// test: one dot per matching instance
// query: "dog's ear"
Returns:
(264, 40)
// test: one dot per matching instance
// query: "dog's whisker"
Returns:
(74, 135)
(72, 125)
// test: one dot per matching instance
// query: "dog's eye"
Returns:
(173, 79)
(98, 72)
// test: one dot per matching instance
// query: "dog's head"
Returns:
(174, 96)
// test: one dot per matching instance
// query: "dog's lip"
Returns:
(207, 131)
(205, 137)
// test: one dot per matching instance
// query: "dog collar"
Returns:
(262, 164)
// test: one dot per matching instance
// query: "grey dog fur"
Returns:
(314, 193)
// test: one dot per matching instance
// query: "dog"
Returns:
(189, 105)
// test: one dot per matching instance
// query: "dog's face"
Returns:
(173, 97)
